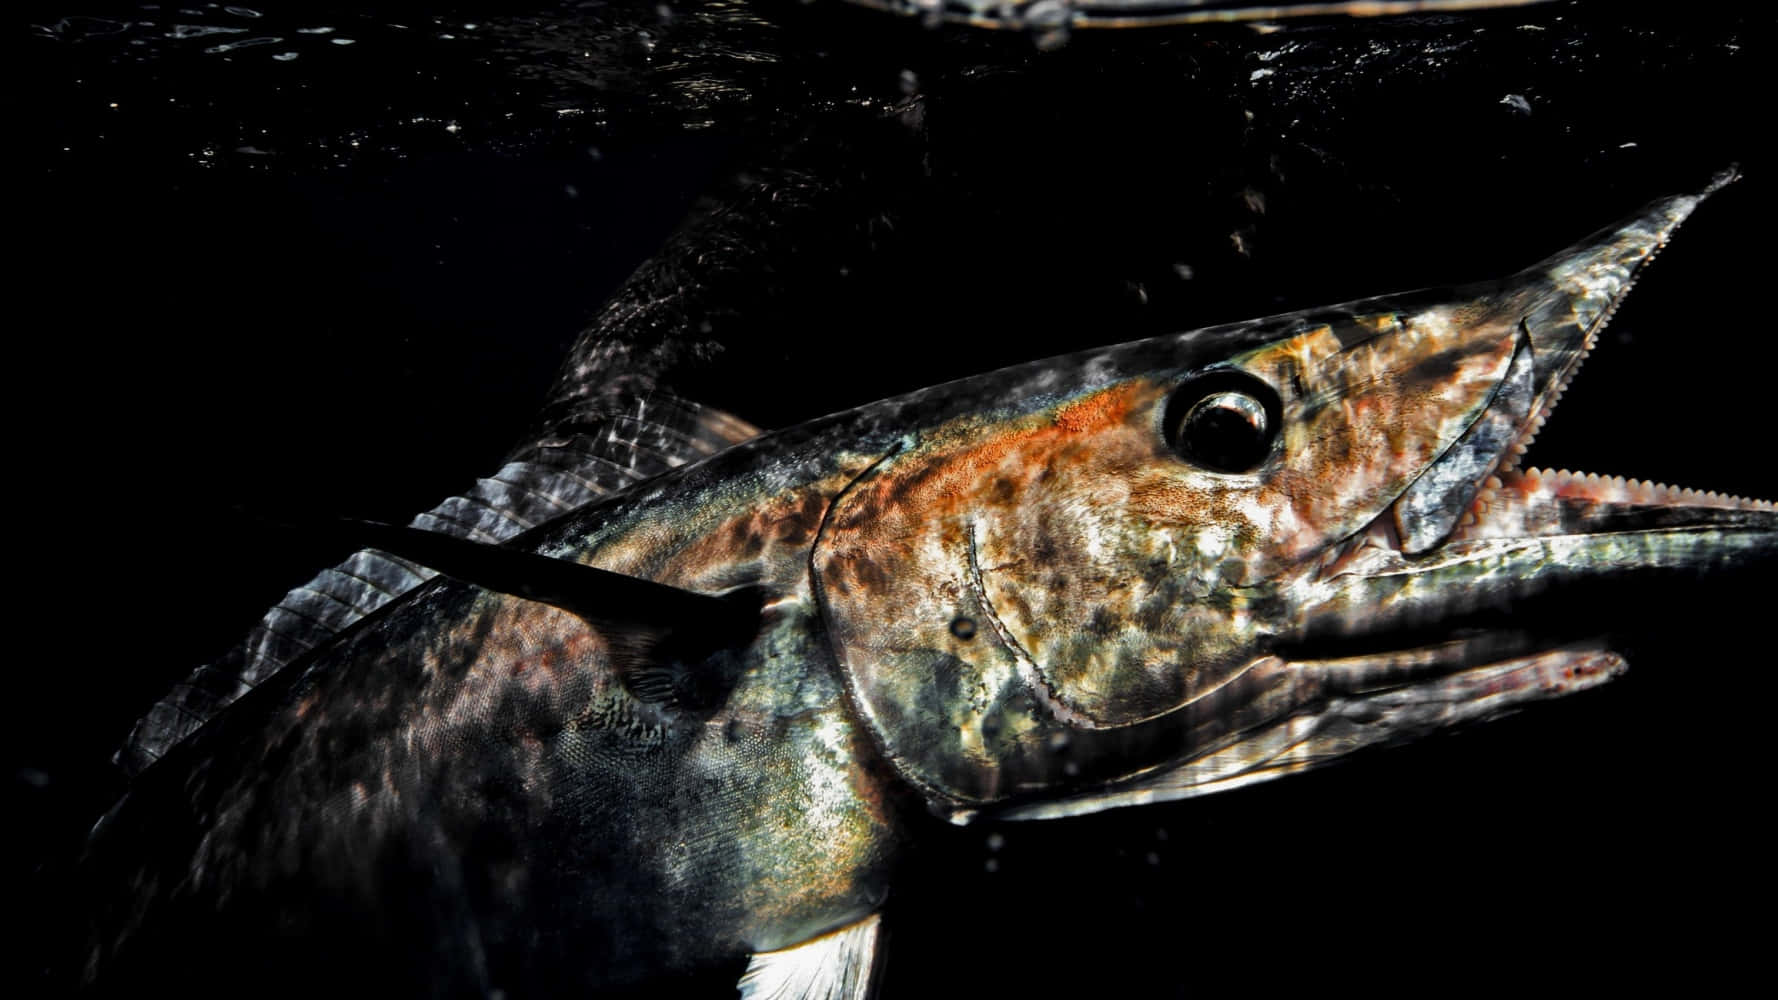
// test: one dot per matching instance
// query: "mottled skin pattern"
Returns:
(1114, 583)
(1078, 608)
(1014, 592)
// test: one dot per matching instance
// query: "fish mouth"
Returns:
(1486, 585)
(1451, 514)
(1479, 544)
(1477, 490)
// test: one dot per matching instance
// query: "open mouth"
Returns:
(1514, 502)
(1487, 585)
(1451, 506)
(1478, 490)
(1485, 572)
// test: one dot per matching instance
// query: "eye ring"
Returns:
(1223, 421)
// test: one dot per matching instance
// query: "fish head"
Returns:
(1193, 562)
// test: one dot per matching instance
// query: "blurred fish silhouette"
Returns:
(1042, 15)
(684, 684)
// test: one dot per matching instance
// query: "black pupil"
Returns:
(1227, 432)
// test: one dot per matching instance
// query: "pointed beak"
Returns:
(1555, 311)
(1567, 299)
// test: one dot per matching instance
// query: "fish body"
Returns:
(1130, 575)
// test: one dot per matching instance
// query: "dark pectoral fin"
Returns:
(585, 590)
(666, 642)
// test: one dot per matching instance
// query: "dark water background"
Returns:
(286, 256)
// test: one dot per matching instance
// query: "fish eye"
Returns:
(1224, 421)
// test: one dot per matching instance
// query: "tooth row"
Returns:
(1516, 451)
(1478, 508)
(1616, 489)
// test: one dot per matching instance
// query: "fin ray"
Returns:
(838, 965)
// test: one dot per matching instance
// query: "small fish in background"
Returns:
(688, 722)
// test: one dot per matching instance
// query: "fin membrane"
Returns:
(835, 966)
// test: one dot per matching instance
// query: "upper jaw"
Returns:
(1475, 530)
(1476, 490)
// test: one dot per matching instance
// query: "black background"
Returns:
(341, 281)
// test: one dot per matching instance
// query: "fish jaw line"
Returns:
(1365, 702)
(1459, 672)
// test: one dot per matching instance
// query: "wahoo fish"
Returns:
(690, 725)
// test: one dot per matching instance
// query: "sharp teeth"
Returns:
(1607, 489)
(1510, 460)
(1519, 447)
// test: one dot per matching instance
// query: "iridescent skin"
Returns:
(1010, 593)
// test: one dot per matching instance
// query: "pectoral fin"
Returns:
(660, 636)
(588, 591)
(838, 965)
